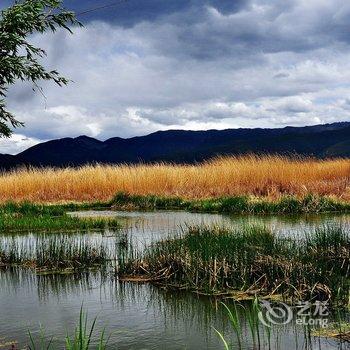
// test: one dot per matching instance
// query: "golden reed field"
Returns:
(266, 176)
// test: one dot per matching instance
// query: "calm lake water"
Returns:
(140, 316)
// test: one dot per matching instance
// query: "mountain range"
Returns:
(181, 146)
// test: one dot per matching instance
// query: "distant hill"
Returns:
(329, 140)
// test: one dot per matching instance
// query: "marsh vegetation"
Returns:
(55, 252)
(267, 176)
(249, 261)
(217, 256)
(83, 337)
(234, 205)
(27, 217)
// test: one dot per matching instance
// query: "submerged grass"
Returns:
(251, 260)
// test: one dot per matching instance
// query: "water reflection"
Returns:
(168, 221)
(146, 227)
(140, 316)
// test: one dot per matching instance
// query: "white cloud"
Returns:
(16, 143)
(251, 68)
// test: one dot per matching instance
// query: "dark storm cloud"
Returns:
(131, 12)
(206, 29)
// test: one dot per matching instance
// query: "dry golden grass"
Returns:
(268, 176)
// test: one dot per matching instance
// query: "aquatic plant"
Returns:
(55, 252)
(234, 319)
(249, 261)
(259, 333)
(239, 204)
(29, 217)
(82, 338)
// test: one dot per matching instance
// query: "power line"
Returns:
(116, 3)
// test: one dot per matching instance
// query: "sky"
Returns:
(148, 65)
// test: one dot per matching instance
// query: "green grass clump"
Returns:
(150, 202)
(54, 252)
(217, 260)
(29, 217)
(238, 204)
(29, 208)
(82, 338)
